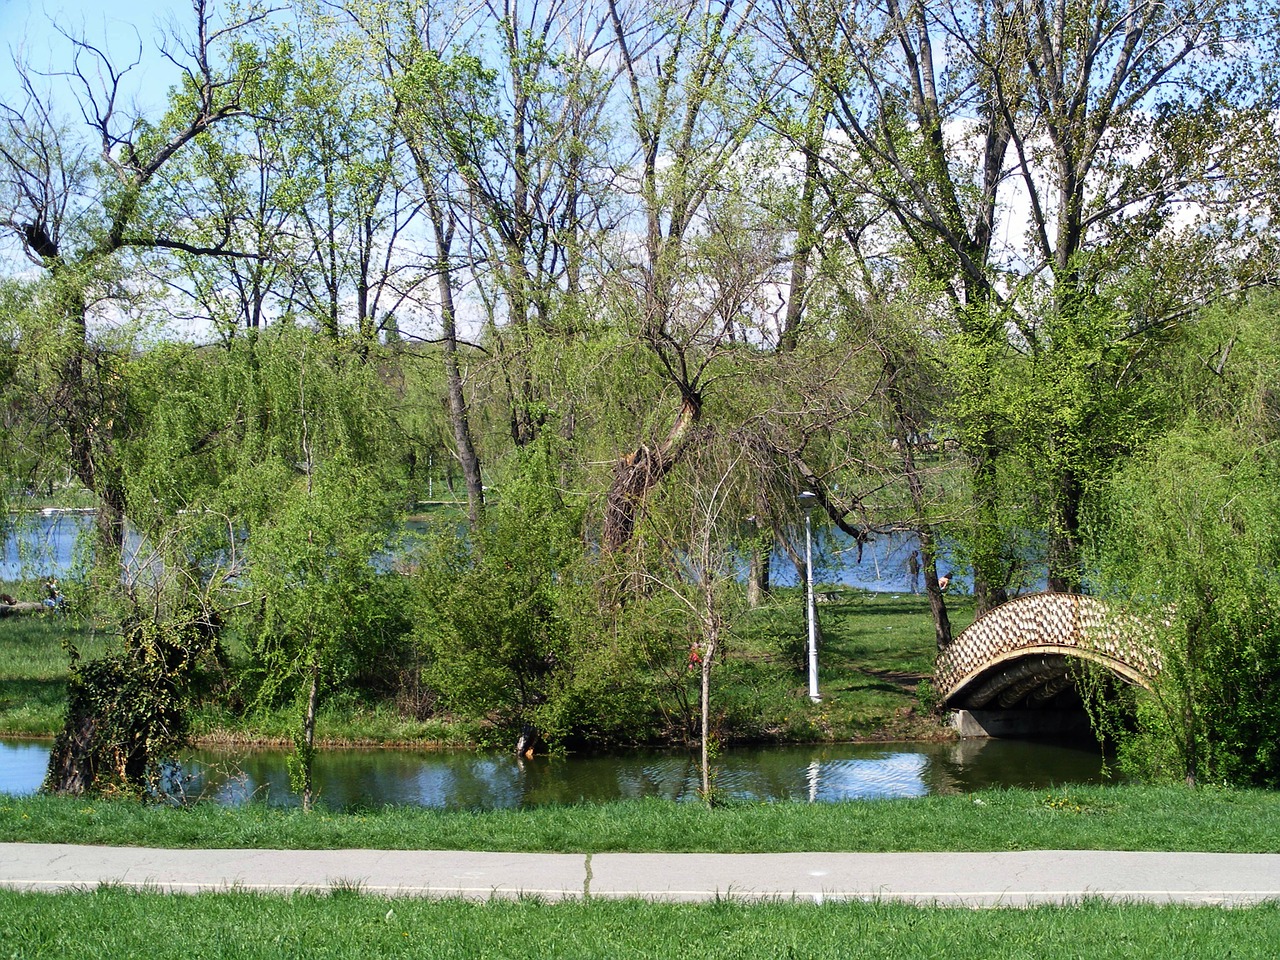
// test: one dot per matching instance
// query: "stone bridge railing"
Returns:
(1021, 650)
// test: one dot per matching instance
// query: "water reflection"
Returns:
(464, 780)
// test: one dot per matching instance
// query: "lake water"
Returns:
(468, 780)
(43, 545)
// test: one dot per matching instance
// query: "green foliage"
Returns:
(509, 622)
(1194, 543)
(324, 602)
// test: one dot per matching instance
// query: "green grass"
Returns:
(1073, 818)
(33, 671)
(118, 923)
(876, 649)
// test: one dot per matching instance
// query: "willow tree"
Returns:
(1195, 530)
(1192, 544)
(79, 202)
(681, 63)
(313, 564)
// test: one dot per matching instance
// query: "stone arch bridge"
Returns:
(1019, 656)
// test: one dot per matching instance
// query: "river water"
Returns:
(455, 779)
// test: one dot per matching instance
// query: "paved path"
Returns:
(959, 879)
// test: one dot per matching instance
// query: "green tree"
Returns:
(80, 202)
(313, 563)
(1191, 541)
(1195, 543)
(946, 114)
(512, 627)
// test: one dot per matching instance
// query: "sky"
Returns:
(27, 29)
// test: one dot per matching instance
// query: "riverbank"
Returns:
(877, 653)
(1124, 817)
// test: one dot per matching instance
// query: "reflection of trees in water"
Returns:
(966, 766)
(464, 780)
(671, 776)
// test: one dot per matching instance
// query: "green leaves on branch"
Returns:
(1195, 540)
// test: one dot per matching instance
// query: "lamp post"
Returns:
(807, 500)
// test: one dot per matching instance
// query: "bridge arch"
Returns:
(1020, 654)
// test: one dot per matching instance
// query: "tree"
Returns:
(78, 205)
(163, 612)
(418, 79)
(948, 113)
(512, 626)
(698, 571)
(314, 565)
(689, 128)
(1195, 531)
(1190, 541)
(500, 106)
(891, 105)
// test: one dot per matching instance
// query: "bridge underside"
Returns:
(1041, 682)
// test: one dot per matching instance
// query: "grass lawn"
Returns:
(33, 671)
(1070, 818)
(116, 923)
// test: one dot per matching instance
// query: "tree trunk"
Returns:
(708, 652)
(73, 762)
(20, 608)
(1064, 535)
(805, 240)
(639, 472)
(458, 417)
(905, 427)
(309, 739)
(758, 575)
(988, 564)
(528, 741)
(937, 602)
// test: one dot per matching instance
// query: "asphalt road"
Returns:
(952, 879)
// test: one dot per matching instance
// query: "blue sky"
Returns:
(26, 26)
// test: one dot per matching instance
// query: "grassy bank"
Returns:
(876, 650)
(344, 924)
(1072, 818)
(33, 671)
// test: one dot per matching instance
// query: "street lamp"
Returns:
(807, 501)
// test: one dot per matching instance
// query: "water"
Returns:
(43, 545)
(468, 780)
(451, 779)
